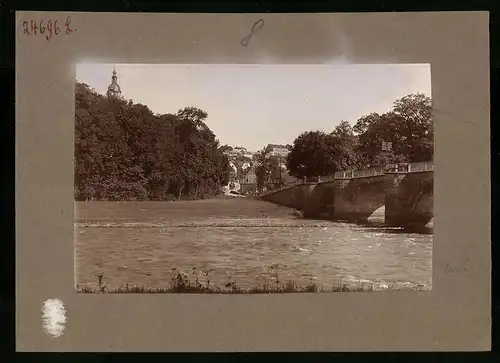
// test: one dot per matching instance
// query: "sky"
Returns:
(255, 105)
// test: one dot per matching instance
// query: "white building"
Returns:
(235, 169)
(249, 154)
(278, 150)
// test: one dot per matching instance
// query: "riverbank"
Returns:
(220, 207)
(180, 283)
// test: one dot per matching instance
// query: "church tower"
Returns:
(114, 89)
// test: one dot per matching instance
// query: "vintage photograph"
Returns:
(253, 178)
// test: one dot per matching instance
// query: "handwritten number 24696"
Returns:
(50, 28)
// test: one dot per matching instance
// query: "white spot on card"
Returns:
(54, 317)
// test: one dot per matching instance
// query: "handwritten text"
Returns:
(47, 28)
(450, 269)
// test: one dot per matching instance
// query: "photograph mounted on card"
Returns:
(247, 179)
(238, 174)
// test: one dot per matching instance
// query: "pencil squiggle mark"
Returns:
(255, 27)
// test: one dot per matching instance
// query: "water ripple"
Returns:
(242, 248)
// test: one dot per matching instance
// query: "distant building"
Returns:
(232, 153)
(250, 177)
(249, 183)
(237, 152)
(235, 185)
(231, 186)
(278, 150)
(233, 167)
(114, 89)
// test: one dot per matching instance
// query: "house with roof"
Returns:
(278, 150)
(249, 182)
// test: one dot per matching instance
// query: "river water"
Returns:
(139, 243)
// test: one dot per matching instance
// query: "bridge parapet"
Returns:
(343, 174)
(366, 173)
(410, 167)
(422, 166)
(354, 174)
(399, 168)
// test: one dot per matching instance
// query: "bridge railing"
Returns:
(343, 174)
(397, 168)
(363, 173)
(410, 167)
(326, 178)
(422, 166)
(284, 186)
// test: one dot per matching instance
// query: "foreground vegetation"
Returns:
(181, 283)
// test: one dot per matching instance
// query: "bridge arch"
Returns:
(378, 215)
(357, 199)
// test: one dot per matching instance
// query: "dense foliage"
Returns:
(267, 170)
(125, 152)
(408, 127)
(270, 171)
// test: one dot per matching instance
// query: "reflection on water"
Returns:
(140, 243)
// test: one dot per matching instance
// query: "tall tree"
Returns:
(408, 127)
(125, 152)
(344, 144)
(414, 113)
(312, 155)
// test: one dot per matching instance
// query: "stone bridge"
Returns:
(406, 191)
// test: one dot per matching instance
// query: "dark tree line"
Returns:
(408, 127)
(125, 152)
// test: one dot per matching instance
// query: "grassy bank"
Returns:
(224, 207)
(180, 283)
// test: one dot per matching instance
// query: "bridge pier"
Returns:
(321, 201)
(409, 200)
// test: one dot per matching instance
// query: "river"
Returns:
(139, 243)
